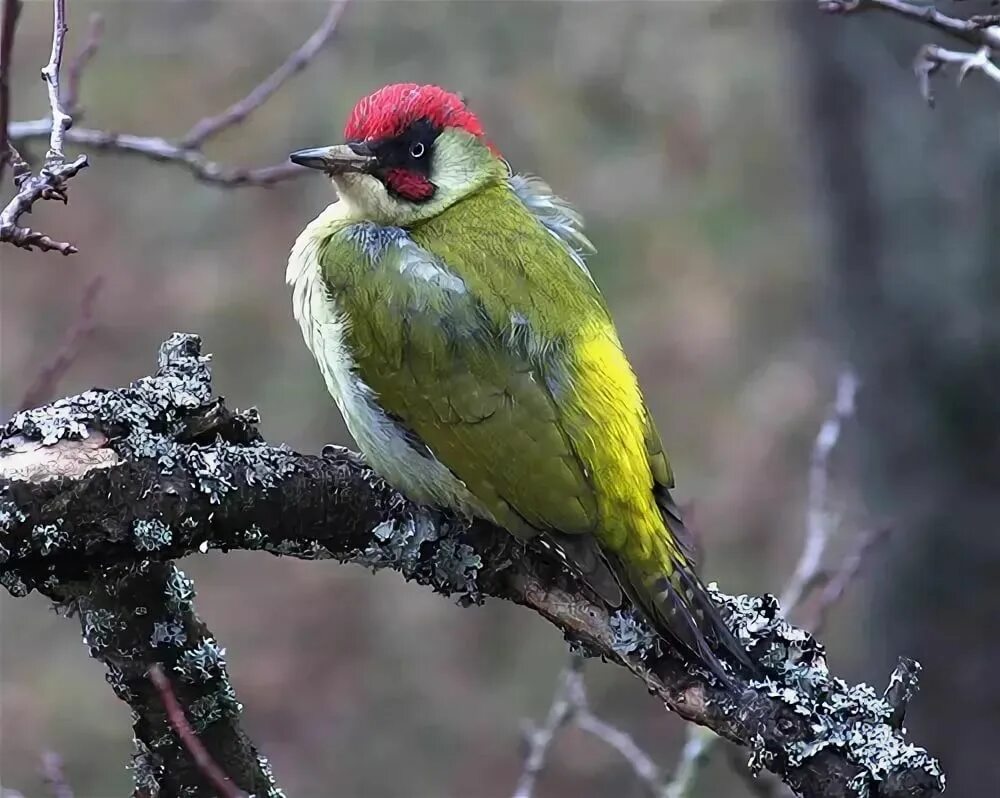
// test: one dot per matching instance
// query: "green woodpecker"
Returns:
(475, 362)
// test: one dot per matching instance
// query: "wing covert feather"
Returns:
(428, 348)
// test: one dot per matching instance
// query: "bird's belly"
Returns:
(387, 446)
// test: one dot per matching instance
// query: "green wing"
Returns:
(448, 351)
(469, 331)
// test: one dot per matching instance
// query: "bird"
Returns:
(449, 306)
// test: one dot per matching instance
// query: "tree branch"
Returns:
(53, 370)
(981, 32)
(54, 777)
(211, 126)
(139, 615)
(163, 150)
(51, 181)
(61, 121)
(807, 569)
(74, 75)
(100, 491)
(186, 151)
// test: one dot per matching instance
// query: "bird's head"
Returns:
(410, 152)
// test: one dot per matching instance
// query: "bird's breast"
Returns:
(392, 450)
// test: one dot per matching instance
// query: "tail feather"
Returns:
(679, 607)
(684, 596)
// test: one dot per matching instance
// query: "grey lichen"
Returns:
(151, 534)
(455, 567)
(300, 549)
(10, 514)
(115, 677)
(632, 636)
(167, 633)
(12, 581)
(179, 591)
(213, 707)
(450, 566)
(152, 413)
(203, 662)
(273, 791)
(253, 538)
(147, 769)
(49, 537)
(396, 544)
(853, 719)
(99, 626)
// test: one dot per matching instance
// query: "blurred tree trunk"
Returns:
(912, 201)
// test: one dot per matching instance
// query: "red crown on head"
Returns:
(391, 109)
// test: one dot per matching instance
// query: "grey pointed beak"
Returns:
(338, 159)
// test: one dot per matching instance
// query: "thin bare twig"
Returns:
(211, 126)
(8, 27)
(981, 31)
(179, 723)
(540, 738)
(932, 58)
(160, 149)
(61, 121)
(850, 567)
(694, 756)
(54, 777)
(817, 521)
(45, 382)
(50, 182)
(74, 74)
(187, 151)
(641, 763)
(571, 706)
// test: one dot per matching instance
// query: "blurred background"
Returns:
(770, 198)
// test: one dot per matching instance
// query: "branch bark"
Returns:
(99, 492)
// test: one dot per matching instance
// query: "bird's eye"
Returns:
(417, 149)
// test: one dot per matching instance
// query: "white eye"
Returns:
(417, 150)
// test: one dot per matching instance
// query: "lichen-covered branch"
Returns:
(138, 615)
(98, 489)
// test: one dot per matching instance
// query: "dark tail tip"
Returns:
(694, 620)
